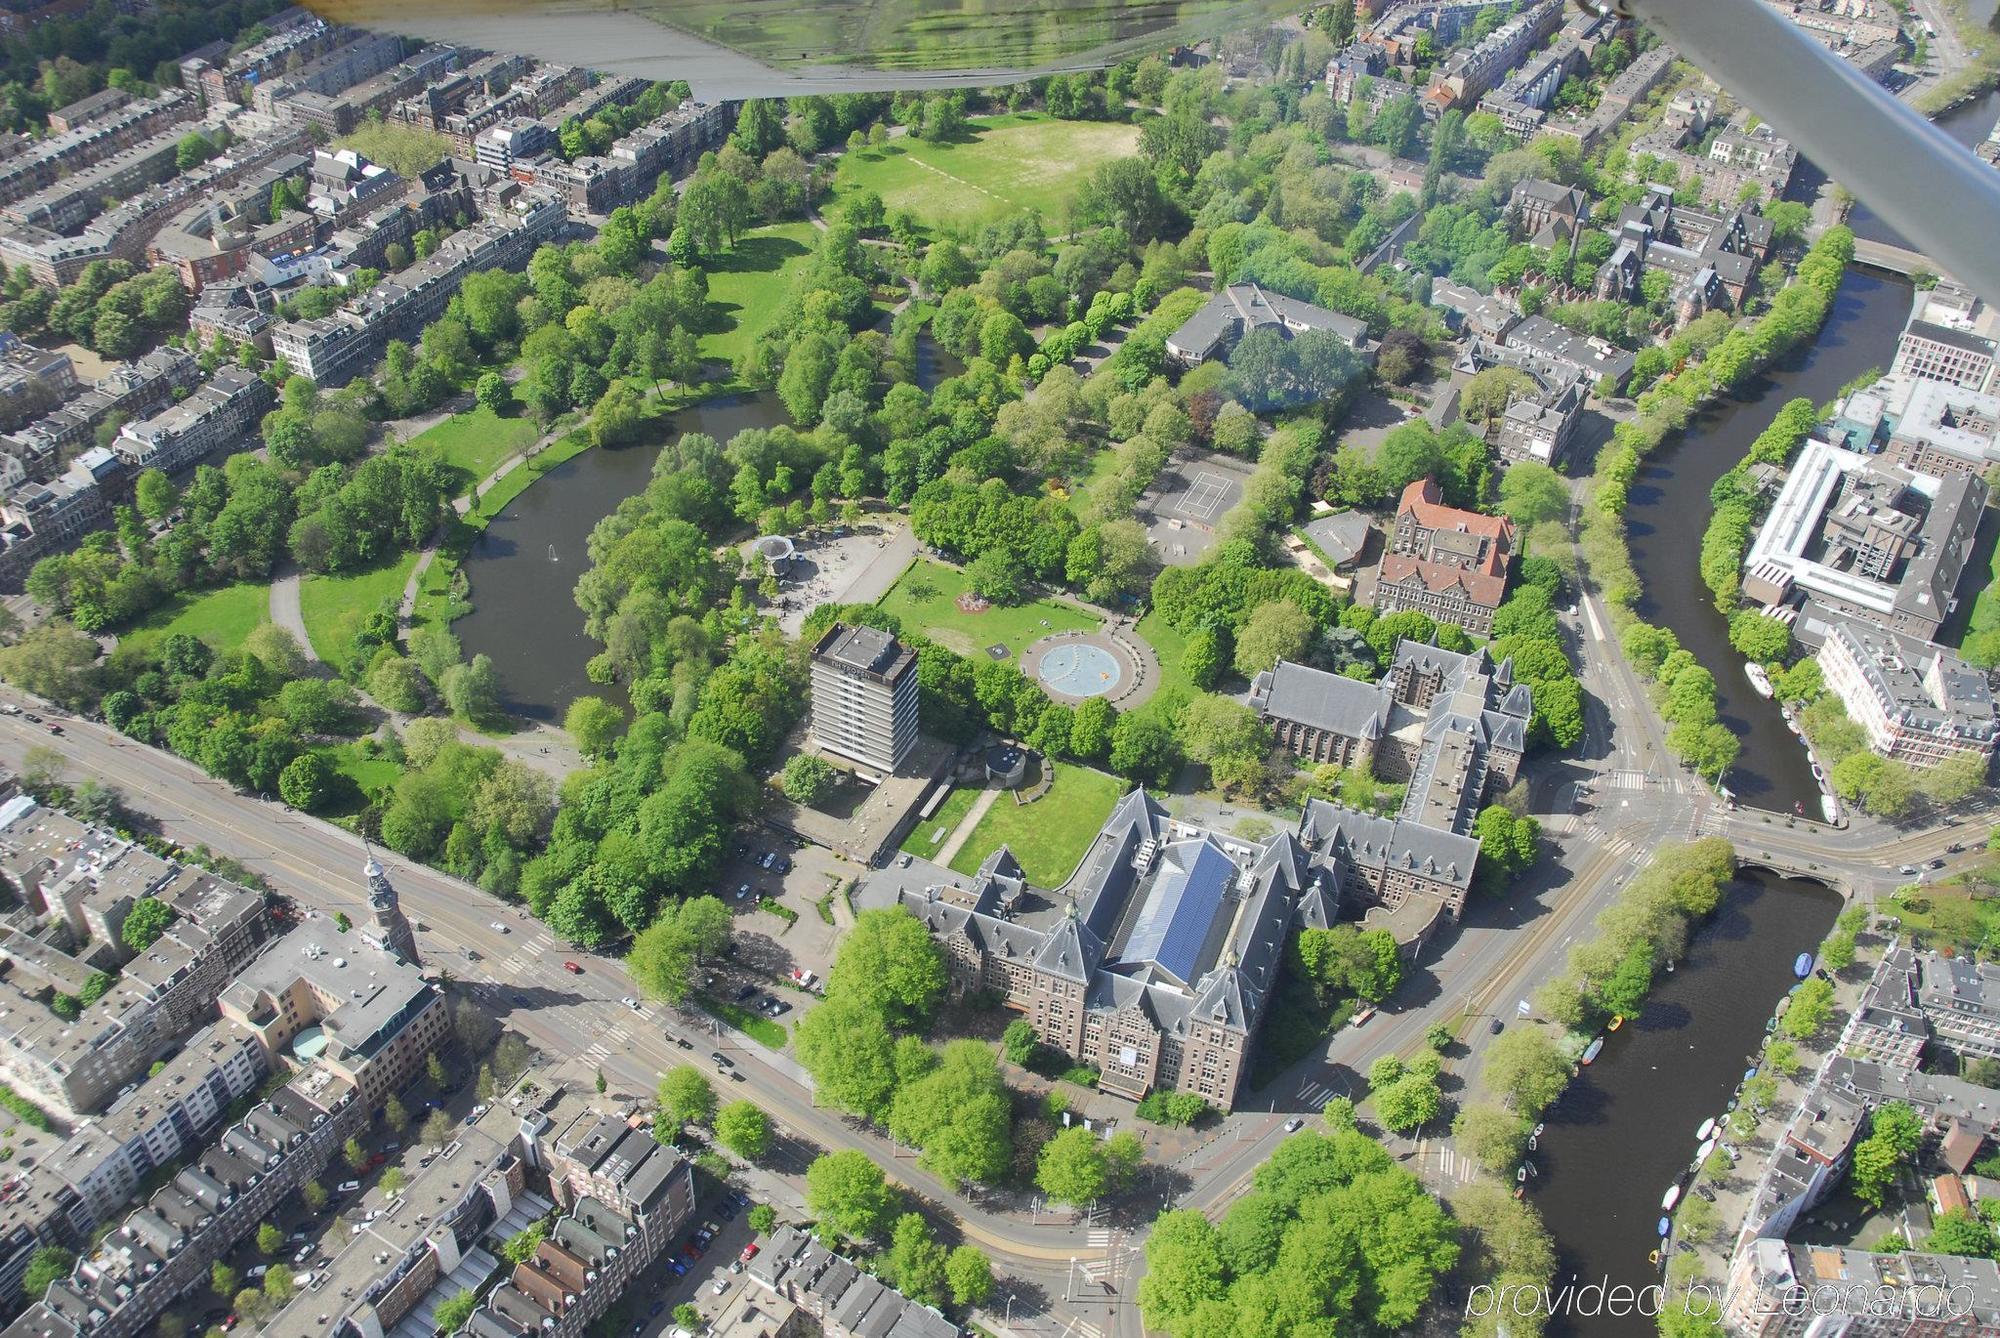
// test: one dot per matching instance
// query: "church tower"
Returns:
(390, 930)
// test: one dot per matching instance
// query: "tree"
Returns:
(1494, 1135)
(269, 1239)
(279, 1284)
(223, 1280)
(355, 1155)
(1019, 1040)
(1959, 1232)
(437, 1129)
(393, 1180)
(688, 1315)
(48, 1264)
(744, 1129)
(916, 1260)
(314, 1193)
(849, 1195)
(969, 1274)
(395, 1114)
(1276, 630)
(952, 1104)
(763, 1219)
(807, 779)
(155, 495)
(472, 691)
(889, 961)
(452, 1312)
(686, 1095)
(1525, 1066)
(1531, 492)
(1072, 1167)
(1409, 1103)
(594, 724)
(145, 922)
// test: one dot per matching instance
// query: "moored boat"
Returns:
(1701, 1153)
(1590, 1051)
(1672, 1196)
(1707, 1128)
(1617, 1021)
(1802, 965)
(1758, 679)
(1666, 1227)
(1830, 808)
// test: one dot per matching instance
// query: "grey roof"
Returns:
(1341, 536)
(1900, 670)
(1180, 910)
(1945, 334)
(1327, 701)
(1394, 843)
(1597, 359)
(1243, 307)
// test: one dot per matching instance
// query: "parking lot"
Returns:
(767, 943)
(706, 1276)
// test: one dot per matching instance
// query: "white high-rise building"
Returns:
(864, 696)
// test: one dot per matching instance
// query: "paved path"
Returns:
(285, 610)
(949, 850)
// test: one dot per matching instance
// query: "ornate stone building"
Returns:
(1444, 562)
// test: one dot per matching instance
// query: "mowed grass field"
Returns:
(930, 834)
(747, 285)
(221, 617)
(1005, 165)
(926, 599)
(475, 442)
(333, 606)
(1049, 836)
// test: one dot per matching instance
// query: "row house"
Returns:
(221, 416)
(64, 155)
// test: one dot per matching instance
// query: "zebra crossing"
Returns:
(612, 1041)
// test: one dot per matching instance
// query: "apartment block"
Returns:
(1919, 703)
(796, 1270)
(221, 416)
(66, 154)
(1444, 562)
(864, 696)
(1934, 352)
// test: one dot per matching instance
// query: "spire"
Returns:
(390, 929)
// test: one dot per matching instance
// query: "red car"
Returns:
(749, 1252)
(691, 1250)
(376, 1160)
(573, 968)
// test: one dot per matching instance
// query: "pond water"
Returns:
(526, 564)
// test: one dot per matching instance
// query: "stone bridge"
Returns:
(1895, 259)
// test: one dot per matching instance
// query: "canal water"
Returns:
(526, 564)
(1625, 1129)
(1671, 491)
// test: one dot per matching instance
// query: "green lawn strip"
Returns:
(1050, 835)
(771, 1035)
(523, 476)
(333, 606)
(748, 285)
(1986, 608)
(1004, 166)
(222, 617)
(1102, 466)
(926, 600)
(1170, 646)
(476, 441)
(1959, 915)
(941, 824)
(370, 772)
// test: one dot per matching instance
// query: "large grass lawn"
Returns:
(222, 617)
(1005, 165)
(1171, 647)
(333, 606)
(1049, 836)
(747, 285)
(926, 600)
(475, 442)
(931, 833)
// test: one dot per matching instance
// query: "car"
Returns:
(739, 1198)
(499, 928)
(347, 1186)
(1360, 1019)
(656, 1307)
(769, 861)
(803, 978)
(228, 1323)
(745, 993)
(519, 1000)
(784, 864)
(631, 1003)
(1294, 1124)
(305, 1252)
(736, 1075)
(55, 729)
(691, 1250)
(726, 1211)
(778, 1008)
(1908, 871)
(749, 1252)
(720, 1286)
(11, 709)
(573, 968)
(702, 1238)
(679, 1266)
(258, 1272)
(743, 891)
(1937, 864)
(376, 1160)
(299, 1238)
(32, 718)
(684, 1043)
(1496, 1026)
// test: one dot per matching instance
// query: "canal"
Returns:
(525, 565)
(1671, 492)
(1625, 1129)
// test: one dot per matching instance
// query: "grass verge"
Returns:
(771, 1035)
(1049, 837)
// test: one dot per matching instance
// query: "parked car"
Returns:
(632, 1004)
(691, 1250)
(1294, 1124)
(720, 1286)
(736, 1075)
(1496, 1026)
(347, 1186)
(749, 1252)
(679, 1266)
(743, 995)
(1908, 871)
(720, 1059)
(656, 1307)
(743, 891)
(1937, 864)
(304, 1253)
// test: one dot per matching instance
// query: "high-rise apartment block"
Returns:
(864, 696)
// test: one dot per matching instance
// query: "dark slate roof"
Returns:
(1341, 536)
(1373, 842)
(1333, 702)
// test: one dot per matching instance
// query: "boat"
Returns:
(1792, 724)
(1818, 774)
(1666, 1227)
(1652, 1256)
(1590, 1051)
(1670, 968)
(1521, 1176)
(1701, 1153)
(1829, 807)
(1520, 1191)
(1802, 965)
(1749, 1073)
(1617, 1021)
(1707, 1128)
(1538, 1130)
(1771, 1024)
(1534, 1144)
(1672, 1196)
(1758, 679)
